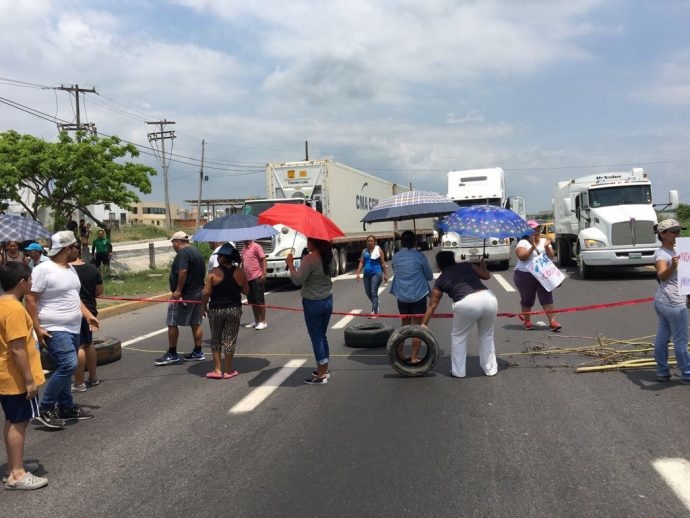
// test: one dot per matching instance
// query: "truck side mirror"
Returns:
(673, 199)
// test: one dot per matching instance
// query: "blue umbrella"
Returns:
(20, 228)
(410, 205)
(485, 221)
(235, 227)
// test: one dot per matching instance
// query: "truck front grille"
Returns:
(622, 233)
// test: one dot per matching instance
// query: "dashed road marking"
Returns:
(345, 320)
(676, 473)
(143, 337)
(259, 394)
(504, 283)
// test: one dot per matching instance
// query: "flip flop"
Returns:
(214, 375)
(228, 375)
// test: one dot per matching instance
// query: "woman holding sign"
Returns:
(670, 305)
(527, 250)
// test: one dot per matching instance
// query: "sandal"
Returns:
(213, 375)
(528, 325)
(228, 375)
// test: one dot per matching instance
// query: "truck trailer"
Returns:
(606, 220)
(339, 192)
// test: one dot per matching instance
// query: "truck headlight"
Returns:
(285, 252)
(594, 243)
(450, 243)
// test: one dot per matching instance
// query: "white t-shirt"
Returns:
(59, 305)
(523, 266)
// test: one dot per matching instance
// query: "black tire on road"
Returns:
(404, 367)
(368, 334)
(108, 350)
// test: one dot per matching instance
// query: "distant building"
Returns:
(151, 213)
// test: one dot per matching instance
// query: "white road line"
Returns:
(345, 320)
(676, 473)
(143, 337)
(504, 283)
(256, 396)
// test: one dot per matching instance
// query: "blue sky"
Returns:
(404, 90)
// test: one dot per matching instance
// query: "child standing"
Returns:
(20, 373)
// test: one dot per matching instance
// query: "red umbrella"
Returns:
(302, 219)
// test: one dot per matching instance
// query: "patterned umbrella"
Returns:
(235, 227)
(410, 205)
(485, 221)
(20, 228)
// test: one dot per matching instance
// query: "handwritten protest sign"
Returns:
(546, 272)
(683, 251)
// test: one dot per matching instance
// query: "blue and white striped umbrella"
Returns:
(410, 205)
(20, 228)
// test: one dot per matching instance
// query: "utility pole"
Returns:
(201, 181)
(78, 126)
(306, 150)
(162, 136)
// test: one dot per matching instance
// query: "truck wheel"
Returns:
(504, 265)
(404, 367)
(563, 247)
(586, 272)
(335, 262)
(369, 334)
(342, 259)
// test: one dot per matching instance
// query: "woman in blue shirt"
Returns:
(374, 265)
(411, 276)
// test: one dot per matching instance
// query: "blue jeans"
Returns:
(317, 314)
(372, 282)
(673, 322)
(62, 346)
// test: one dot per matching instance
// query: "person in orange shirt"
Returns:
(20, 373)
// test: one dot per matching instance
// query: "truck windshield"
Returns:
(254, 208)
(620, 195)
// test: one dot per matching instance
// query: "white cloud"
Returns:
(671, 83)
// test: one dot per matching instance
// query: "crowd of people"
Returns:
(59, 290)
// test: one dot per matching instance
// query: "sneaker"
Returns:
(27, 482)
(664, 378)
(93, 383)
(528, 325)
(250, 326)
(168, 359)
(50, 419)
(76, 412)
(194, 356)
(374, 314)
(78, 388)
(316, 381)
(555, 326)
(261, 325)
(315, 373)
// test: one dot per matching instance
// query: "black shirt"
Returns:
(190, 259)
(90, 277)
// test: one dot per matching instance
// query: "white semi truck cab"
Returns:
(478, 187)
(606, 220)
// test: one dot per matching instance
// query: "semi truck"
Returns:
(606, 220)
(479, 187)
(341, 193)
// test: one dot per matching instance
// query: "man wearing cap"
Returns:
(35, 254)
(56, 311)
(186, 283)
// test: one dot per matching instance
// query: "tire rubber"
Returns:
(367, 334)
(405, 367)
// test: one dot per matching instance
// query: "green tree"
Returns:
(683, 212)
(70, 174)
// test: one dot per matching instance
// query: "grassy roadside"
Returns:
(135, 285)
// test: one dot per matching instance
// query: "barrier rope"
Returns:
(572, 309)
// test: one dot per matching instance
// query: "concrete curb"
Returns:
(119, 309)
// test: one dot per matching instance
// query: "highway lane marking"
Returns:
(676, 473)
(143, 337)
(345, 320)
(256, 396)
(504, 283)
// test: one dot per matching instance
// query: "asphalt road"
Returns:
(538, 439)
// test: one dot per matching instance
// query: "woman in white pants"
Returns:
(472, 303)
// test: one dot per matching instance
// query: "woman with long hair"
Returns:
(373, 262)
(314, 276)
